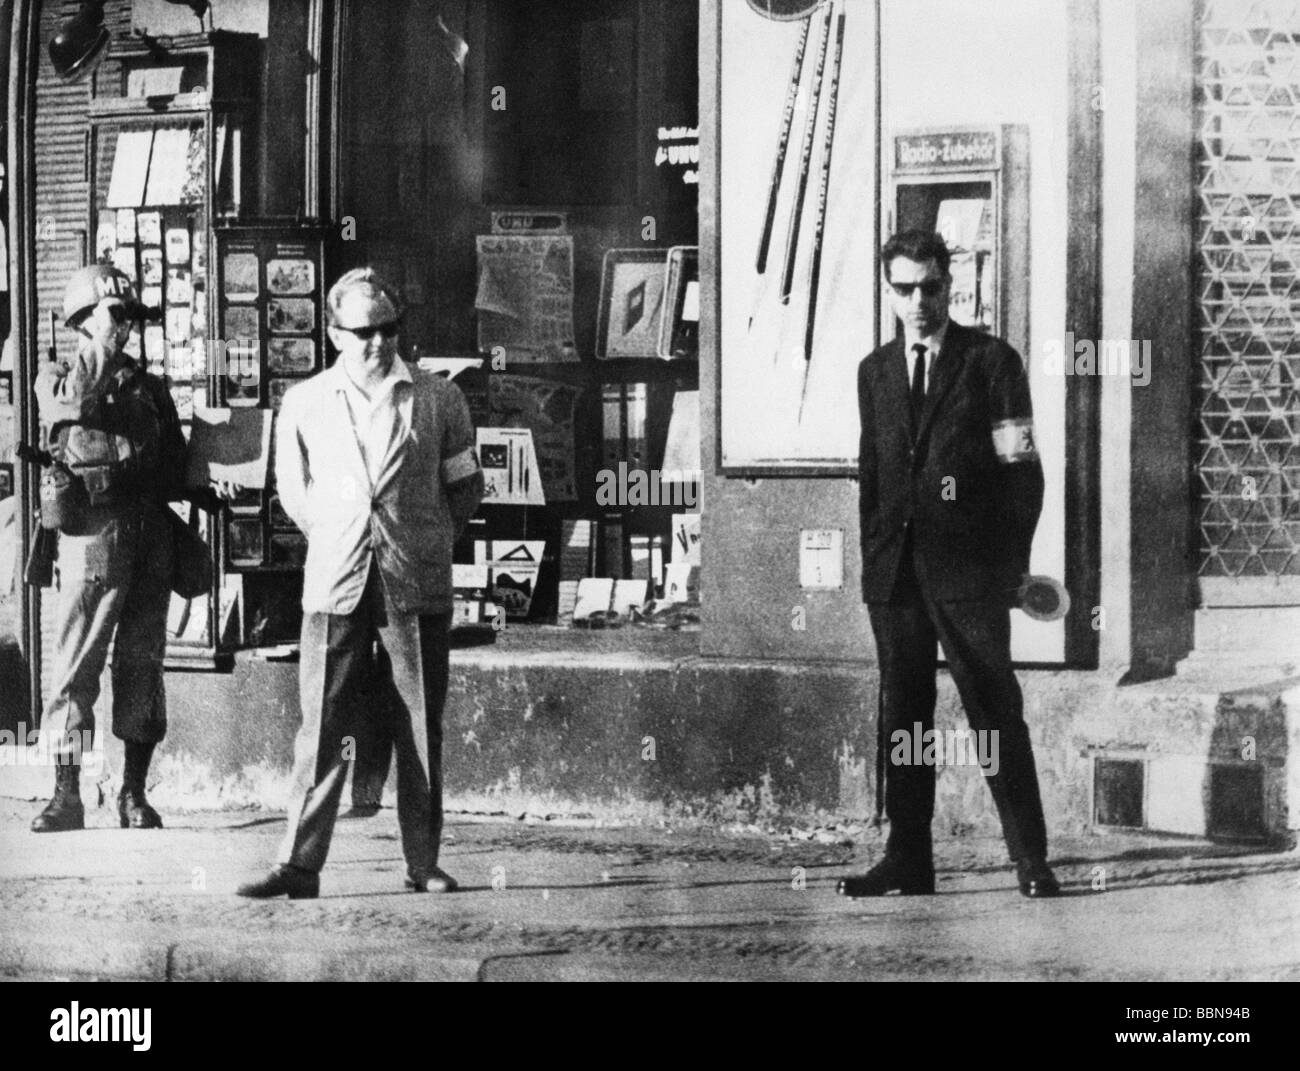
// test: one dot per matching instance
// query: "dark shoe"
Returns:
(891, 875)
(133, 810)
(297, 884)
(1037, 880)
(361, 810)
(64, 812)
(436, 880)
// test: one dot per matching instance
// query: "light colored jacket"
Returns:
(402, 519)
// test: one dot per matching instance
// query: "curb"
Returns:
(108, 953)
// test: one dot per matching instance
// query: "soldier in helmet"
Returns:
(114, 427)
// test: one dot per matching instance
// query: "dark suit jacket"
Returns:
(970, 489)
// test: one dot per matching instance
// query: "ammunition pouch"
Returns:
(104, 483)
(81, 478)
(105, 464)
(63, 498)
(109, 459)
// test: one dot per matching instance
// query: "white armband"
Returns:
(1013, 441)
(460, 467)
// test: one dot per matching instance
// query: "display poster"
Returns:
(547, 409)
(631, 303)
(230, 445)
(798, 241)
(509, 465)
(513, 567)
(525, 297)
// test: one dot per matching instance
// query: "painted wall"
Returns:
(1163, 552)
(1119, 132)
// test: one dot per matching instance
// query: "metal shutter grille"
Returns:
(1248, 268)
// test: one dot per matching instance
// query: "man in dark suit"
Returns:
(951, 489)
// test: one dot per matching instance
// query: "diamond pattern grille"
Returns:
(1248, 286)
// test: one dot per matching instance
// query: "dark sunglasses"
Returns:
(929, 288)
(388, 330)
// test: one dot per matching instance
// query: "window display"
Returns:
(270, 301)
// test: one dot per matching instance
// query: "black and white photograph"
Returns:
(891, 409)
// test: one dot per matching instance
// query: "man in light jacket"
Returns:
(376, 463)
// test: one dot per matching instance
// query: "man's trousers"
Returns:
(341, 686)
(113, 589)
(976, 641)
(374, 747)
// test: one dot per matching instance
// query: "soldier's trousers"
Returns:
(113, 589)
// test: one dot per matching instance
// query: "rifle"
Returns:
(45, 547)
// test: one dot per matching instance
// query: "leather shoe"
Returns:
(283, 880)
(1037, 881)
(134, 812)
(436, 880)
(891, 875)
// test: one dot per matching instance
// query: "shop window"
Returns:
(526, 204)
(562, 129)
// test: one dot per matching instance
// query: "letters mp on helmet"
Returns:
(89, 286)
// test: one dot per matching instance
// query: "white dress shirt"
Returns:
(932, 344)
(382, 421)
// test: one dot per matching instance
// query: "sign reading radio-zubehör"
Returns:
(951, 150)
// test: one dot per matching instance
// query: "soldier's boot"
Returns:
(133, 810)
(65, 811)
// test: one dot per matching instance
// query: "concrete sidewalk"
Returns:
(543, 900)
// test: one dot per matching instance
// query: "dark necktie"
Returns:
(918, 386)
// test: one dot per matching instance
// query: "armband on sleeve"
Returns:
(1013, 441)
(460, 466)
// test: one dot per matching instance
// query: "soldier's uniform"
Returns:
(116, 428)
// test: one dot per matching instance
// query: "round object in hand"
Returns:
(785, 10)
(1044, 598)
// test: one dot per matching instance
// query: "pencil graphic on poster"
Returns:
(805, 161)
(782, 146)
(815, 271)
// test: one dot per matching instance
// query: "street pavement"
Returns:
(573, 899)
